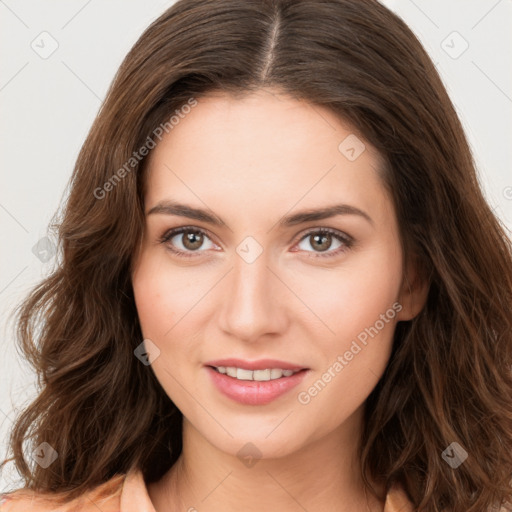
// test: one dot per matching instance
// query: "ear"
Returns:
(414, 290)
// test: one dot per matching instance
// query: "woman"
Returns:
(280, 285)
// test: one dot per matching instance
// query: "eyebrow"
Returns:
(168, 207)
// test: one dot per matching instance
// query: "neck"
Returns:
(312, 478)
(322, 476)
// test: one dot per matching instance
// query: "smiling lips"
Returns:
(254, 383)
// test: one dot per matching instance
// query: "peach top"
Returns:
(128, 493)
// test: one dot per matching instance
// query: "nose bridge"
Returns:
(252, 305)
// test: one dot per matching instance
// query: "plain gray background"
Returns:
(58, 59)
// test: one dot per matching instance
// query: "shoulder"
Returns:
(105, 497)
(398, 501)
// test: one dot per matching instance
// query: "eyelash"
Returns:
(346, 240)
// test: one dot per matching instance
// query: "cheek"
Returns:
(166, 300)
(159, 310)
(359, 304)
(162, 294)
(352, 297)
(154, 306)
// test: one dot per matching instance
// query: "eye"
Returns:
(322, 239)
(186, 240)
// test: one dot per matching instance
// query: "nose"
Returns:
(254, 300)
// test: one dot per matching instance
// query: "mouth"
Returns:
(254, 383)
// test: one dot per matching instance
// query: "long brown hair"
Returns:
(449, 376)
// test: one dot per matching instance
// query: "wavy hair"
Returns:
(449, 376)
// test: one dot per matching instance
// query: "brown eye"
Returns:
(186, 241)
(322, 240)
(192, 240)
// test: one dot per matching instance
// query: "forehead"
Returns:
(264, 148)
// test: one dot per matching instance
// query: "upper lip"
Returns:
(260, 364)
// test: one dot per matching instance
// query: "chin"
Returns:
(260, 442)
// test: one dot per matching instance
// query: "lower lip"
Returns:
(251, 392)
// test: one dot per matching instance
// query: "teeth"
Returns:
(276, 373)
(259, 375)
(243, 374)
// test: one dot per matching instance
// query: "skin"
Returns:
(251, 161)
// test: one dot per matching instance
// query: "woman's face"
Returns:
(256, 280)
